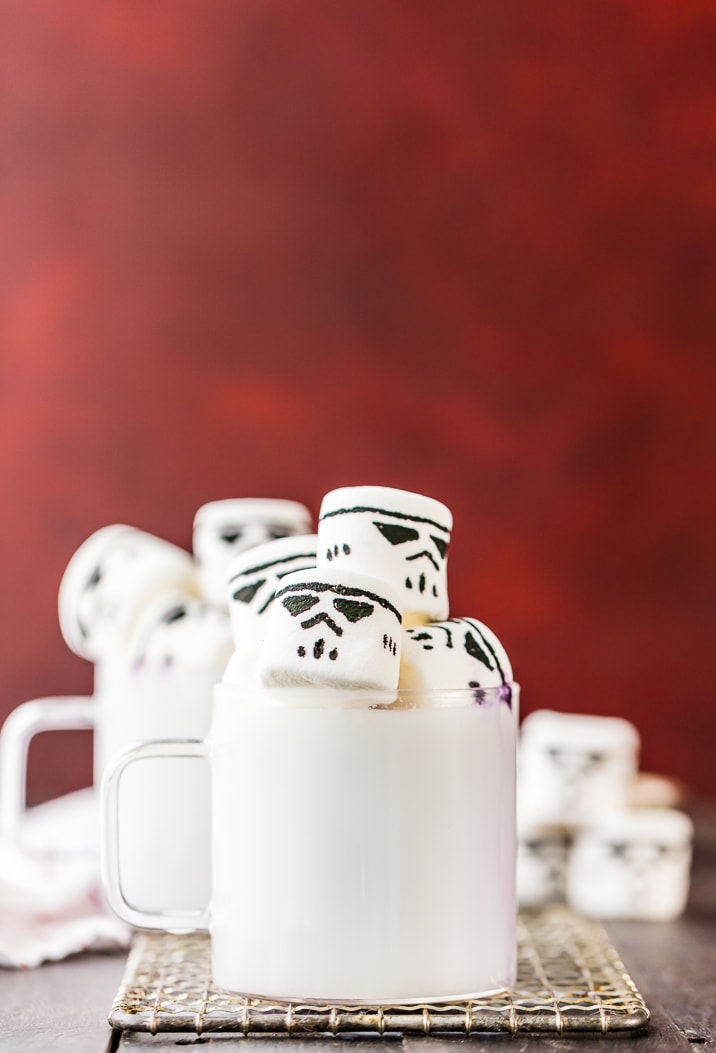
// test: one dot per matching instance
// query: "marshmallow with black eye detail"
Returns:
(179, 631)
(632, 864)
(252, 579)
(109, 582)
(575, 768)
(332, 628)
(396, 535)
(223, 529)
(457, 653)
(542, 861)
(253, 576)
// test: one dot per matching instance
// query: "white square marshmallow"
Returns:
(332, 628)
(391, 534)
(542, 861)
(223, 529)
(574, 768)
(635, 864)
(110, 580)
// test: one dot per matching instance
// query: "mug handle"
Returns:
(69, 713)
(170, 921)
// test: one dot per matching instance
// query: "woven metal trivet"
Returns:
(569, 978)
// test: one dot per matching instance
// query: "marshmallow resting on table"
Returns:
(110, 580)
(633, 864)
(574, 768)
(542, 861)
(332, 628)
(395, 535)
(458, 653)
(223, 529)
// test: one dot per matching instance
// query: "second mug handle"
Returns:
(171, 921)
(70, 713)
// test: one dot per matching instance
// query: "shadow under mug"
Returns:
(362, 854)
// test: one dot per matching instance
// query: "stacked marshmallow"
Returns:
(131, 598)
(366, 612)
(111, 580)
(224, 529)
(252, 579)
(581, 835)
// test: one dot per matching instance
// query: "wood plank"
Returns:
(61, 1007)
(674, 964)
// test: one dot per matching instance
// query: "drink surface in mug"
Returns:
(363, 853)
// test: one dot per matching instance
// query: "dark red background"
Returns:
(269, 248)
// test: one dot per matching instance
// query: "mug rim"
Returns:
(320, 697)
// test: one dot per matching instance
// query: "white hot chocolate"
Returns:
(363, 853)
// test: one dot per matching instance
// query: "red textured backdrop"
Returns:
(270, 248)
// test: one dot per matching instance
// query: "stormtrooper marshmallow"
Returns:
(635, 864)
(334, 629)
(253, 578)
(179, 630)
(575, 768)
(542, 860)
(223, 529)
(458, 653)
(161, 687)
(110, 580)
(391, 534)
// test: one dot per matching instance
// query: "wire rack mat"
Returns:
(569, 978)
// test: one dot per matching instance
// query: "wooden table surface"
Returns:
(64, 1006)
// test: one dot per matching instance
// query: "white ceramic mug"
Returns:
(57, 713)
(165, 835)
(360, 854)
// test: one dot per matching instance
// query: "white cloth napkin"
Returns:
(51, 901)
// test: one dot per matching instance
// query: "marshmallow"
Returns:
(161, 687)
(254, 576)
(458, 653)
(542, 860)
(633, 865)
(332, 628)
(575, 768)
(222, 529)
(252, 580)
(109, 581)
(656, 791)
(182, 630)
(395, 535)
(242, 670)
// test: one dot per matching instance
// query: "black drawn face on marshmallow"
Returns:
(224, 529)
(333, 633)
(458, 653)
(400, 545)
(542, 857)
(111, 578)
(101, 600)
(576, 767)
(254, 577)
(575, 762)
(636, 864)
(183, 632)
